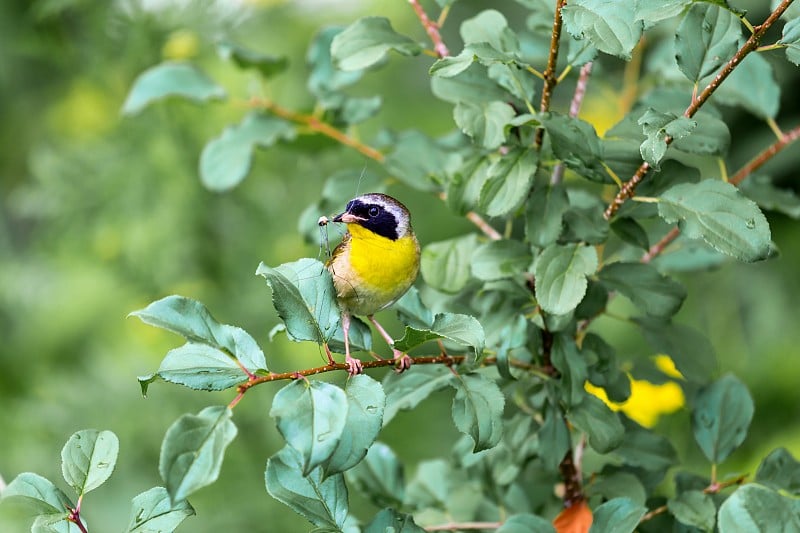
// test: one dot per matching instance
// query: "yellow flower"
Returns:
(648, 401)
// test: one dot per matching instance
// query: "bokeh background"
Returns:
(100, 214)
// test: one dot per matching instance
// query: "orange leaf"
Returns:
(575, 519)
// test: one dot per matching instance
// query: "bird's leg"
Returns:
(353, 365)
(402, 360)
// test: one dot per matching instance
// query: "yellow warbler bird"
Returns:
(375, 264)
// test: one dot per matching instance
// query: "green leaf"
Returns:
(304, 296)
(419, 162)
(721, 416)
(445, 265)
(366, 42)
(170, 79)
(762, 191)
(414, 337)
(600, 423)
(54, 523)
(360, 337)
(472, 85)
(193, 449)
(464, 330)
(478, 410)
(412, 311)
(482, 52)
(513, 78)
(756, 508)
(391, 521)
(620, 515)
(583, 220)
(526, 523)
(153, 512)
(555, 433)
(490, 26)
(545, 214)
(509, 182)
(406, 391)
(651, 12)
(484, 122)
(88, 459)
(322, 501)
(365, 404)
(658, 127)
(631, 232)
(618, 485)
(694, 508)
(710, 137)
(691, 351)
(655, 294)
(379, 476)
(192, 320)
(575, 142)
(560, 272)
(719, 214)
(199, 367)
(568, 361)
(38, 494)
(790, 37)
(226, 160)
(604, 24)
(780, 471)
(751, 86)
(500, 259)
(706, 39)
(311, 416)
(244, 58)
(325, 78)
(644, 449)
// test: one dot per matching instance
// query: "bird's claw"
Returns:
(354, 366)
(402, 361)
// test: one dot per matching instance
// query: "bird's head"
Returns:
(379, 213)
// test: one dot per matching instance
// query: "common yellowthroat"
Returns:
(375, 264)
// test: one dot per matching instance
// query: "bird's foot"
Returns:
(402, 361)
(354, 366)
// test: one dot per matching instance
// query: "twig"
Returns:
(457, 526)
(432, 28)
(574, 109)
(484, 226)
(658, 247)
(549, 74)
(654, 513)
(749, 45)
(713, 488)
(573, 488)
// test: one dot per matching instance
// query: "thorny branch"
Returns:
(550, 79)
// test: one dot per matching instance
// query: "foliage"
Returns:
(512, 310)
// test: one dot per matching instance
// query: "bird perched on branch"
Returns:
(375, 264)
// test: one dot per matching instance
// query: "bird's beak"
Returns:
(347, 218)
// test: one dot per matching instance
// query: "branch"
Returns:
(457, 526)
(574, 109)
(550, 80)
(432, 28)
(573, 488)
(751, 44)
(713, 488)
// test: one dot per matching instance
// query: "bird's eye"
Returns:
(374, 210)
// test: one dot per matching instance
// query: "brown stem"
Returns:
(751, 44)
(713, 488)
(574, 109)
(573, 488)
(654, 513)
(484, 226)
(658, 247)
(432, 28)
(458, 526)
(550, 79)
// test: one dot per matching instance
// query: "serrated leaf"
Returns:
(573, 368)
(193, 450)
(706, 38)
(545, 214)
(790, 37)
(445, 265)
(600, 423)
(651, 12)
(608, 28)
(555, 433)
(366, 42)
(691, 351)
(780, 471)
(226, 160)
(719, 214)
(658, 127)
(323, 502)
(643, 285)
(620, 515)
(560, 272)
(88, 459)
(509, 182)
(583, 220)
(478, 410)
(472, 85)
(304, 296)
(752, 86)
(618, 485)
(419, 162)
(526, 523)
(514, 79)
(694, 508)
(756, 508)
(406, 391)
(199, 367)
(380, 476)
(575, 142)
(38, 494)
(763, 191)
(482, 52)
(710, 137)
(170, 79)
(389, 520)
(365, 404)
(412, 311)
(630, 231)
(500, 259)
(311, 416)
(644, 449)
(489, 26)
(267, 65)
(464, 330)
(484, 122)
(55, 523)
(153, 512)
(721, 416)
(325, 78)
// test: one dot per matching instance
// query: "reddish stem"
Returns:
(432, 28)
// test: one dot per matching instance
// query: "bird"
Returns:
(374, 265)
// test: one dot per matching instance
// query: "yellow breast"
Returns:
(374, 271)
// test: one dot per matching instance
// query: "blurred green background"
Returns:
(99, 215)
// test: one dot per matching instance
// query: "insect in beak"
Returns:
(347, 218)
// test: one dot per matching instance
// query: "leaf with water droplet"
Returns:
(88, 459)
(721, 417)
